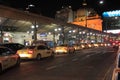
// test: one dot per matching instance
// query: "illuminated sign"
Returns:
(111, 13)
(113, 31)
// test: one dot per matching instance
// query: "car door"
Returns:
(12, 57)
(4, 58)
(48, 51)
(43, 50)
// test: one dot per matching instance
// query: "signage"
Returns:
(111, 13)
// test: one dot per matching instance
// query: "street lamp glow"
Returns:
(31, 5)
(74, 31)
(59, 29)
(55, 29)
(70, 31)
(32, 32)
(37, 26)
(101, 2)
(80, 32)
(32, 26)
(28, 32)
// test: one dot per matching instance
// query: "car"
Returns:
(116, 74)
(35, 52)
(64, 48)
(13, 46)
(77, 47)
(8, 58)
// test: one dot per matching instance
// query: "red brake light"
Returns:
(30, 51)
(119, 44)
(113, 43)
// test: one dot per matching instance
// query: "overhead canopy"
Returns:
(13, 19)
(20, 21)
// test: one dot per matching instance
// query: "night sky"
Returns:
(49, 7)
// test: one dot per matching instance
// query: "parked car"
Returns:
(13, 46)
(77, 47)
(116, 74)
(35, 52)
(8, 58)
(64, 48)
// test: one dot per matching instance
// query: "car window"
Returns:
(42, 47)
(29, 47)
(5, 52)
(14, 46)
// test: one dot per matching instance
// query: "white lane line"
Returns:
(74, 59)
(51, 67)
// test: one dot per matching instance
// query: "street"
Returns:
(86, 64)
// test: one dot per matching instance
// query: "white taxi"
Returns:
(8, 58)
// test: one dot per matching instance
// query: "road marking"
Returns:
(51, 67)
(74, 59)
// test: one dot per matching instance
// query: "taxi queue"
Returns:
(10, 57)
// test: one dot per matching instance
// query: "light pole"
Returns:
(85, 11)
(34, 30)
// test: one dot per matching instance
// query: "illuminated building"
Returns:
(86, 17)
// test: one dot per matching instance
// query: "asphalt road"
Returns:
(87, 64)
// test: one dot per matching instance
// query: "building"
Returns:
(84, 16)
(111, 21)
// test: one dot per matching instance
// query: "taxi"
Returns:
(35, 52)
(8, 58)
(77, 47)
(64, 48)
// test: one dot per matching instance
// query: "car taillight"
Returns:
(30, 51)
(65, 48)
(119, 44)
(113, 43)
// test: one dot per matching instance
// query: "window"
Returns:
(42, 47)
(5, 52)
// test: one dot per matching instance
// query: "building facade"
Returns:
(86, 17)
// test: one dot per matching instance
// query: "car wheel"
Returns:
(53, 54)
(38, 57)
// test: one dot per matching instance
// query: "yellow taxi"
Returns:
(77, 47)
(64, 48)
(96, 45)
(8, 58)
(82, 46)
(35, 52)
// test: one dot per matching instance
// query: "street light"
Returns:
(54, 33)
(33, 30)
(29, 6)
(101, 2)
(85, 11)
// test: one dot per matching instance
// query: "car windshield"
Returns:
(13, 46)
(29, 47)
(63, 45)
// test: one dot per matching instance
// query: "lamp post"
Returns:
(34, 31)
(85, 11)
(63, 35)
(1, 34)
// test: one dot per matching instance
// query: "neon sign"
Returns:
(111, 13)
